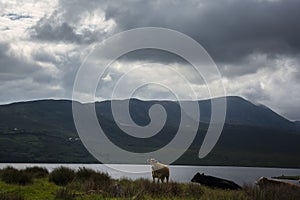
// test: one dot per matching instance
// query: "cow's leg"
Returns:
(167, 179)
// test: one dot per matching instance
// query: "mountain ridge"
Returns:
(44, 131)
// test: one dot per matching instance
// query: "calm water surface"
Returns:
(241, 175)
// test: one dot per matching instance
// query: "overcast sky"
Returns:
(255, 44)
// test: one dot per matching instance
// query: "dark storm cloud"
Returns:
(229, 30)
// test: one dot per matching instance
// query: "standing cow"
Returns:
(159, 170)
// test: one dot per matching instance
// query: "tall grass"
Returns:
(143, 188)
(273, 193)
(65, 194)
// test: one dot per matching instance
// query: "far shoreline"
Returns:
(185, 165)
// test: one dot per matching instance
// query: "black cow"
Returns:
(215, 182)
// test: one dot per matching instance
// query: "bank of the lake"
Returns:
(179, 173)
(37, 183)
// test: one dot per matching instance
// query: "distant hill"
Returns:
(44, 131)
(241, 111)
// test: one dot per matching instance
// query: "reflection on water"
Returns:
(240, 175)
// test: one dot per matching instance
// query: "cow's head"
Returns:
(152, 161)
(198, 177)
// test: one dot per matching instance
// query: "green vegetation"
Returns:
(91, 185)
(287, 177)
(62, 176)
(36, 172)
(14, 176)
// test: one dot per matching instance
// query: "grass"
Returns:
(91, 185)
(40, 189)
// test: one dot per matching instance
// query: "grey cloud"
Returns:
(248, 65)
(68, 69)
(55, 29)
(12, 66)
(43, 56)
(153, 55)
(66, 64)
(14, 70)
(26, 89)
(291, 112)
(229, 30)
(13, 16)
(62, 32)
(4, 28)
(256, 94)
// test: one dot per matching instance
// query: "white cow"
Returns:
(159, 170)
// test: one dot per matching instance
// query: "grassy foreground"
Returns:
(67, 184)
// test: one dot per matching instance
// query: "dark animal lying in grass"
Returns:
(264, 182)
(215, 182)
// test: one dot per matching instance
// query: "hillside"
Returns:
(43, 131)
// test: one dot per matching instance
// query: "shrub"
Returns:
(102, 180)
(36, 172)
(99, 182)
(84, 174)
(8, 174)
(91, 181)
(62, 176)
(11, 175)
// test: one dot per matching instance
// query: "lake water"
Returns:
(240, 175)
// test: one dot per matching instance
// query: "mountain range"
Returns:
(253, 135)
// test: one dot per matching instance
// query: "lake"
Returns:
(241, 175)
